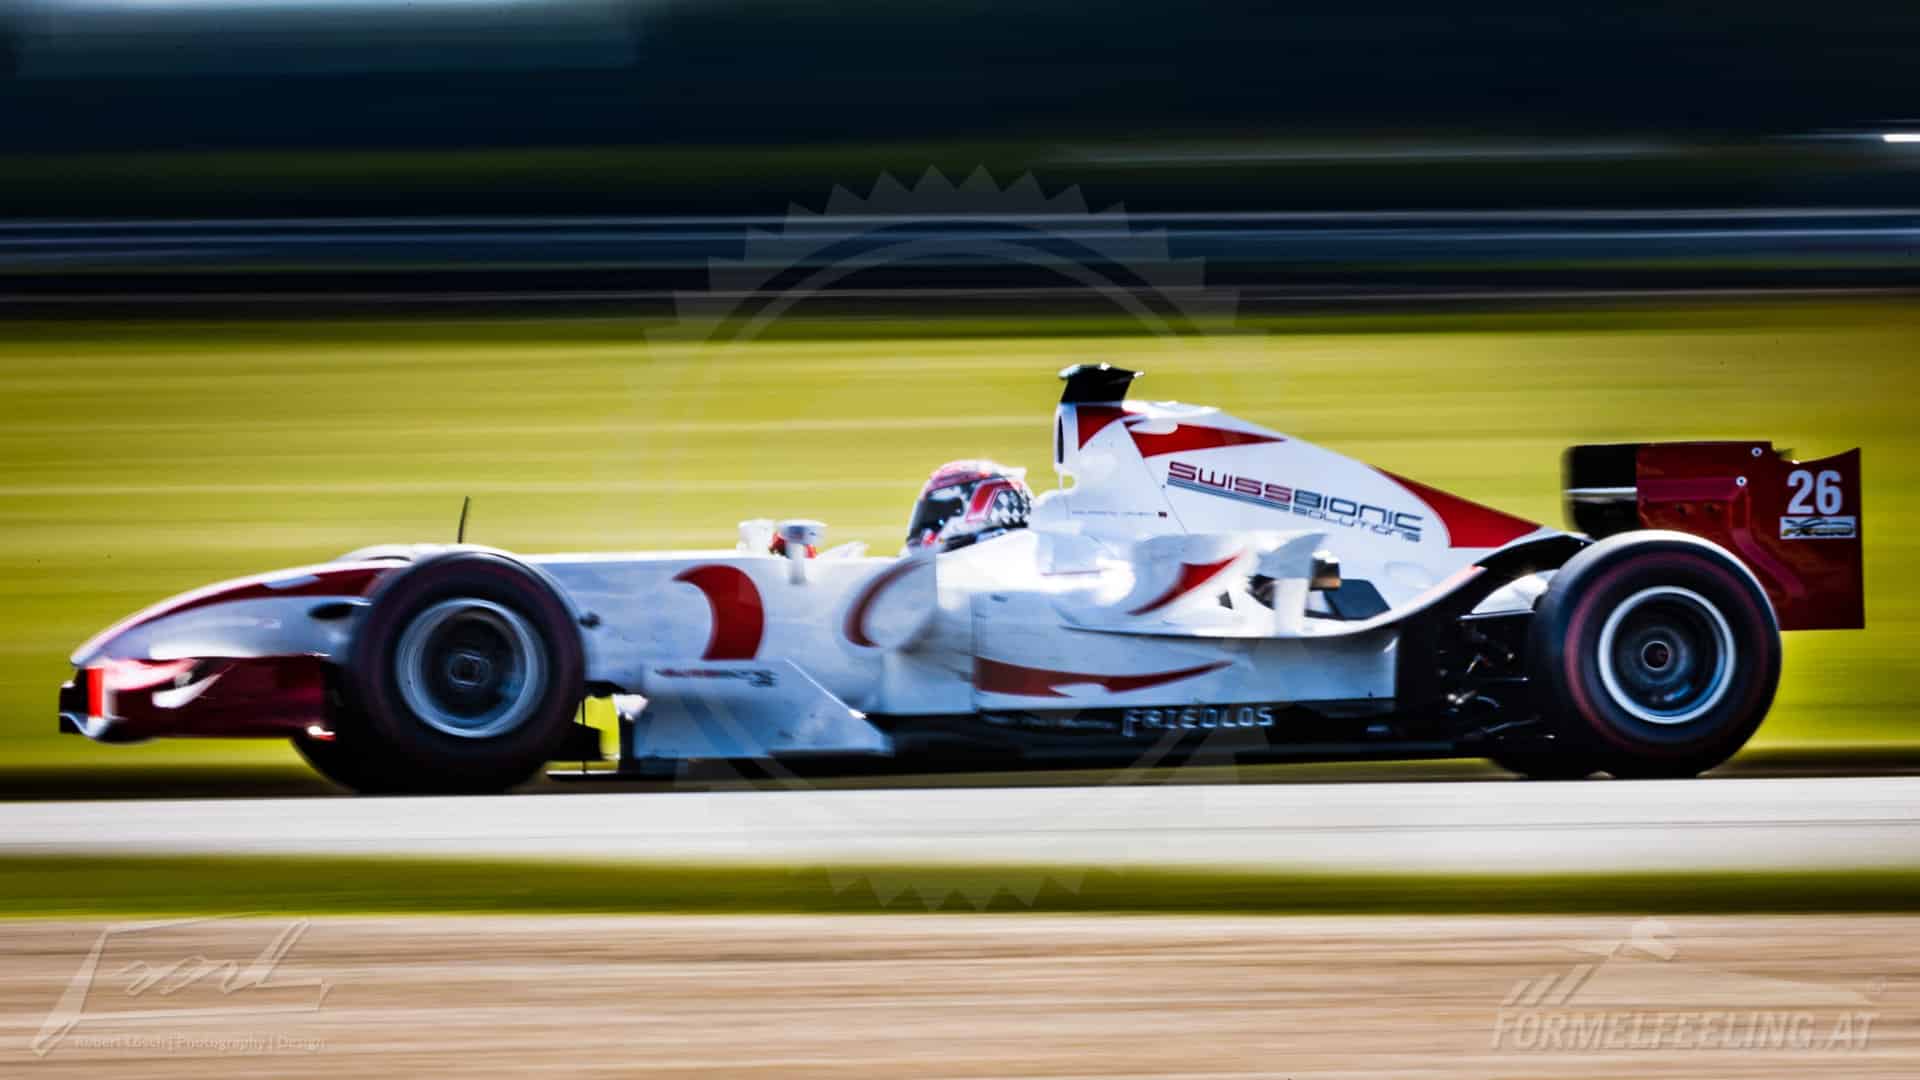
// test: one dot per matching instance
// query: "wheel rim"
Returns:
(470, 668)
(1666, 655)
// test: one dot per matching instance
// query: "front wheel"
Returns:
(1656, 653)
(362, 769)
(463, 677)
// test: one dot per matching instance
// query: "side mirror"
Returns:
(799, 534)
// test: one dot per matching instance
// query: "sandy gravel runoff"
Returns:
(964, 996)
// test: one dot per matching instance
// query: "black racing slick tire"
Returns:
(463, 677)
(343, 754)
(362, 769)
(1656, 654)
(1546, 764)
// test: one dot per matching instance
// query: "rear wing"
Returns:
(1796, 524)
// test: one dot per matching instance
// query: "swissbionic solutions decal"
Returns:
(1287, 498)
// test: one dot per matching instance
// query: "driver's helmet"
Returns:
(968, 501)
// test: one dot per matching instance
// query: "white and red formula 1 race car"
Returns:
(1202, 588)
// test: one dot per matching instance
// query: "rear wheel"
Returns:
(463, 676)
(1657, 655)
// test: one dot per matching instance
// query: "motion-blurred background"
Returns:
(281, 278)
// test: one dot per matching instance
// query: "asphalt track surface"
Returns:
(1722, 824)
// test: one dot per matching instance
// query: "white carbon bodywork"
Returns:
(241, 629)
(1086, 608)
(1172, 568)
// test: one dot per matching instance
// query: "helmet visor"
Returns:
(934, 510)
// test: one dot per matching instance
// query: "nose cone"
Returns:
(215, 620)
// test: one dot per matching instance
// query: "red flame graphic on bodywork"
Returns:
(855, 627)
(738, 618)
(1191, 577)
(1469, 524)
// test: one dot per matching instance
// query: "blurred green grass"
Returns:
(70, 885)
(137, 460)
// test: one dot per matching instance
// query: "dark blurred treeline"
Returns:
(1173, 105)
